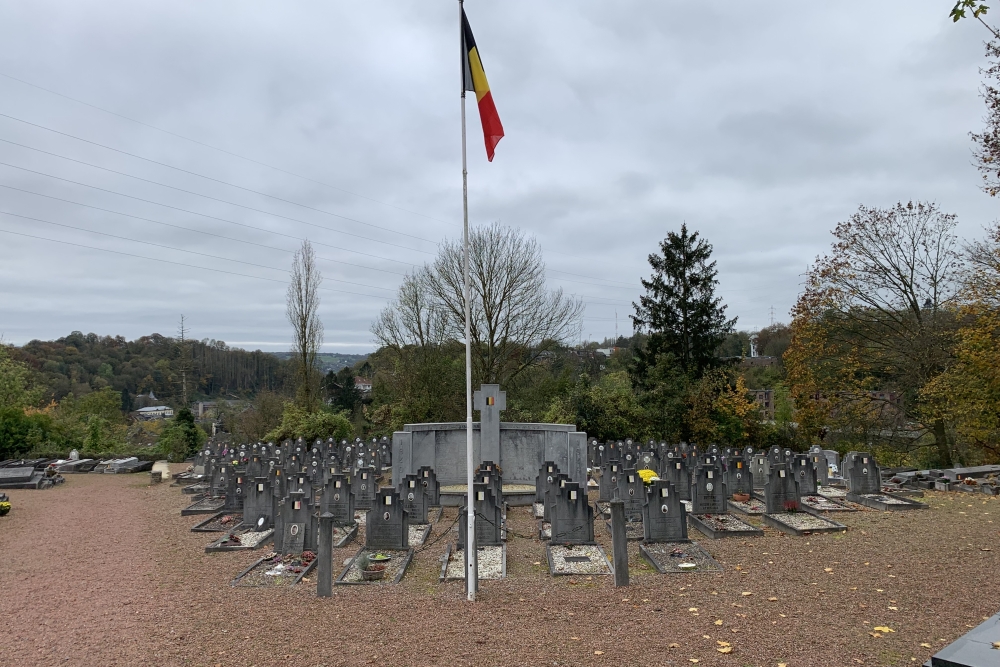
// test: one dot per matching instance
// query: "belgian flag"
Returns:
(475, 80)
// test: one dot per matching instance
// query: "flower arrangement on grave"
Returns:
(370, 571)
(647, 475)
(741, 497)
(791, 506)
(4, 508)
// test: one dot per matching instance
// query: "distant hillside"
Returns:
(330, 361)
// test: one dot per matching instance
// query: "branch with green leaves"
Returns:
(966, 8)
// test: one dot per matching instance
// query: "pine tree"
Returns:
(680, 312)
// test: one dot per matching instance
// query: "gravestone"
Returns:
(548, 469)
(781, 491)
(648, 459)
(489, 519)
(365, 488)
(675, 471)
(489, 473)
(708, 490)
(609, 480)
(572, 516)
(821, 464)
(760, 467)
(632, 492)
(432, 488)
(805, 473)
(552, 487)
(338, 501)
(739, 478)
(296, 523)
(489, 400)
(257, 504)
(833, 461)
(862, 473)
(664, 517)
(388, 525)
(414, 499)
(235, 483)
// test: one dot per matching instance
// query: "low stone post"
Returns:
(619, 542)
(324, 568)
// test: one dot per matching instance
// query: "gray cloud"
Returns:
(760, 124)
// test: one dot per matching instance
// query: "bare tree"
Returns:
(302, 302)
(413, 319)
(874, 322)
(515, 317)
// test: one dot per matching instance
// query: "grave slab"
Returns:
(204, 506)
(802, 523)
(753, 507)
(633, 530)
(218, 523)
(887, 502)
(577, 559)
(419, 533)
(678, 557)
(274, 571)
(976, 648)
(818, 503)
(240, 540)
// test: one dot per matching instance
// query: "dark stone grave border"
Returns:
(200, 526)
(218, 547)
(447, 557)
(407, 559)
(707, 530)
(835, 527)
(687, 545)
(552, 567)
(303, 573)
(904, 504)
(204, 506)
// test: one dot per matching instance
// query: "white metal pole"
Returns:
(471, 556)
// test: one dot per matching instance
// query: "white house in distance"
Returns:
(155, 412)
(363, 385)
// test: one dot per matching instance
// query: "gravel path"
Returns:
(103, 570)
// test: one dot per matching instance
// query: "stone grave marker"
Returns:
(490, 401)
(572, 516)
(548, 469)
(739, 478)
(365, 488)
(338, 500)
(821, 464)
(760, 467)
(863, 475)
(805, 473)
(432, 488)
(781, 491)
(708, 490)
(553, 484)
(388, 525)
(296, 523)
(632, 492)
(414, 499)
(675, 471)
(489, 519)
(664, 518)
(609, 480)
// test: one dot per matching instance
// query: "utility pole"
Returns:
(182, 336)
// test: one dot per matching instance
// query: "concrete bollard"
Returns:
(619, 542)
(324, 568)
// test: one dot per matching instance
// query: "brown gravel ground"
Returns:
(104, 571)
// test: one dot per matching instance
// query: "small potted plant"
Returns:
(370, 571)
(741, 497)
(4, 507)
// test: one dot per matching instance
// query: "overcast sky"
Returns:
(760, 124)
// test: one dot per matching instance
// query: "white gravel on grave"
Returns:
(361, 517)
(490, 563)
(725, 522)
(546, 531)
(538, 509)
(253, 538)
(752, 506)
(831, 492)
(687, 505)
(417, 534)
(598, 563)
(507, 488)
(802, 521)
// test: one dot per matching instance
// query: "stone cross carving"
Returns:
(489, 400)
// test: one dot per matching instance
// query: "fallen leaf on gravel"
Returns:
(537, 563)
(876, 635)
(590, 578)
(879, 590)
(598, 652)
(719, 622)
(883, 628)
(894, 608)
(828, 569)
(722, 643)
(782, 615)
(693, 660)
(772, 599)
(674, 645)
(746, 593)
(782, 664)
(926, 645)
(705, 637)
(576, 639)
(725, 649)
(624, 599)
(692, 608)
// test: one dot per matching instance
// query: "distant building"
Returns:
(155, 412)
(363, 385)
(201, 408)
(764, 398)
(758, 362)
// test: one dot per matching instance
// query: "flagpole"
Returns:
(471, 555)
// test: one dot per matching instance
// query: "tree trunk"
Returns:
(941, 440)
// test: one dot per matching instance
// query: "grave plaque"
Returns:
(413, 498)
(572, 516)
(781, 491)
(489, 519)
(863, 474)
(708, 490)
(664, 518)
(805, 473)
(294, 539)
(387, 526)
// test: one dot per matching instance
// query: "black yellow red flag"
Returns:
(475, 80)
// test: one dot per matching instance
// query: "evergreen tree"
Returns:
(680, 312)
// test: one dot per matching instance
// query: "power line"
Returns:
(193, 252)
(215, 180)
(222, 201)
(184, 210)
(190, 266)
(216, 148)
(200, 231)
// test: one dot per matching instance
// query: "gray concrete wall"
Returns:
(523, 450)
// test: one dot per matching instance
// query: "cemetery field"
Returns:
(103, 570)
